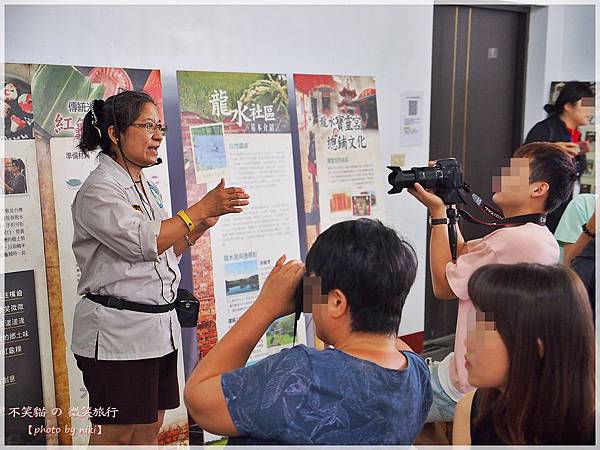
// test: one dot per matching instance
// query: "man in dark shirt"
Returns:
(362, 391)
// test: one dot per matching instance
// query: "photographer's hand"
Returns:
(277, 294)
(435, 204)
(439, 249)
(275, 300)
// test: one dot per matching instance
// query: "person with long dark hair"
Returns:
(530, 352)
(566, 114)
(126, 333)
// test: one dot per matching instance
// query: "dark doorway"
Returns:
(478, 70)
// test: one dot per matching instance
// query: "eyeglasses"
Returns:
(151, 127)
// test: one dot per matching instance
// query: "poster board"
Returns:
(236, 126)
(338, 130)
(28, 382)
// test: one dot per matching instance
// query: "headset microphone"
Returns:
(158, 161)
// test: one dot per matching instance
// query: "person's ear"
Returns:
(337, 304)
(539, 189)
(569, 107)
(112, 134)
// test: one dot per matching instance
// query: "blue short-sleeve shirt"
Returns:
(303, 396)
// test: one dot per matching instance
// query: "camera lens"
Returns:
(400, 179)
(428, 177)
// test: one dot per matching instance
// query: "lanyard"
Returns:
(145, 200)
(148, 207)
(500, 220)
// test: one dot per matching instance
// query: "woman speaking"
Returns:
(125, 331)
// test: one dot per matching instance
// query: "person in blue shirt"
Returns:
(360, 390)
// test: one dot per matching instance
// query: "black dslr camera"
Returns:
(445, 179)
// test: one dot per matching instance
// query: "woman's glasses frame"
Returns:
(151, 127)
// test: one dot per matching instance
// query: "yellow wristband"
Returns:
(186, 219)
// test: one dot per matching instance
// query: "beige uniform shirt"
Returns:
(114, 242)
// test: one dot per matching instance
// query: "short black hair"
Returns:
(571, 92)
(547, 162)
(374, 268)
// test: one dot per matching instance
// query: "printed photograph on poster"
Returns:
(361, 205)
(411, 129)
(281, 332)
(241, 277)
(14, 173)
(17, 107)
(340, 202)
(210, 158)
(339, 149)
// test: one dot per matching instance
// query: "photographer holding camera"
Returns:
(540, 178)
(359, 391)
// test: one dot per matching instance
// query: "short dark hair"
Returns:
(528, 302)
(18, 162)
(129, 107)
(571, 92)
(547, 162)
(371, 265)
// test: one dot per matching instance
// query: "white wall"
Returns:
(392, 43)
(562, 47)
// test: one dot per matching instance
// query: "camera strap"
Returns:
(538, 219)
(484, 206)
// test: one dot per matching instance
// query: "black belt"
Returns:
(118, 303)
